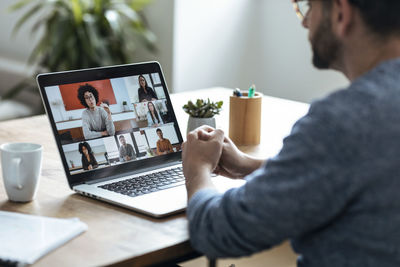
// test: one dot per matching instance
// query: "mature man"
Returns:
(126, 151)
(333, 189)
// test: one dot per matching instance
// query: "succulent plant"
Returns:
(202, 108)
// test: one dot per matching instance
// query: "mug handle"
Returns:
(15, 166)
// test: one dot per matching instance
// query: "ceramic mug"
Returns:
(21, 165)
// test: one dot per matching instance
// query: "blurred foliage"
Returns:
(202, 108)
(82, 34)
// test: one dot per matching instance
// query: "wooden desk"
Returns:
(118, 235)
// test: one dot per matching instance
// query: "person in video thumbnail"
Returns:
(89, 162)
(126, 152)
(163, 144)
(96, 120)
(145, 92)
(153, 117)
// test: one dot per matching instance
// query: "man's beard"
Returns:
(325, 46)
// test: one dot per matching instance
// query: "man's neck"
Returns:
(365, 55)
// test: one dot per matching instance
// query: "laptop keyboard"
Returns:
(148, 183)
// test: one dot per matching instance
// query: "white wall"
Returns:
(204, 43)
(237, 43)
(160, 15)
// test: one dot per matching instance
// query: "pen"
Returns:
(237, 92)
(251, 91)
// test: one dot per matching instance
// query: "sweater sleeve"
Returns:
(131, 152)
(121, 154)
(108, 122)
(294, 193)
(87, 132)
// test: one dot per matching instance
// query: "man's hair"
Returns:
(381, 16)
(158, 130)
(87, 88)
(121, 136)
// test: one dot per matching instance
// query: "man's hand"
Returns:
(233, 162)
(200, 158)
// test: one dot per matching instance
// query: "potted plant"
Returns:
(202, 113)
(81, 34)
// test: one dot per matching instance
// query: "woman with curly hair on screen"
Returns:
(96, 120)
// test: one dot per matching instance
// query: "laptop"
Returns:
(118, 136)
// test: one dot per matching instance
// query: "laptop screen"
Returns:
(110, 122)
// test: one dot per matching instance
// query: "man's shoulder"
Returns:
(363, 103)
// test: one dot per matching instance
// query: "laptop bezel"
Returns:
(102, 73)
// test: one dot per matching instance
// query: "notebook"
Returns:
(118, 136)
(44, 234)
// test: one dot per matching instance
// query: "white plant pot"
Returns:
(194, 123)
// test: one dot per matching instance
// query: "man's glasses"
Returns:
(302, 7)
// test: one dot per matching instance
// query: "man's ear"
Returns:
(342, 16)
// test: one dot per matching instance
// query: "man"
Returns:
(333, 189)
(164, 146)
(126, 152)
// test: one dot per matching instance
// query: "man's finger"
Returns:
(202, 132)
(192, 136)
(203, 135)
(206, 128)
(217, 135)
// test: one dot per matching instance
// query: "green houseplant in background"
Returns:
(82, 34)
(201, 113)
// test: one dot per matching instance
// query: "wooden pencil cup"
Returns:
(245, 119)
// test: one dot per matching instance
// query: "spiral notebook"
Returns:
(26, 238)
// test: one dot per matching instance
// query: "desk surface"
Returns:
(117, 234)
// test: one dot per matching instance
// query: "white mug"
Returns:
(21, 165)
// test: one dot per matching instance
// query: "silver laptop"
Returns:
(118, 136)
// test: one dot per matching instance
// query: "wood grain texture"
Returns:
(245, 119)
(117, 235)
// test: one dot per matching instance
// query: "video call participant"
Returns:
(89, 162)
(163, 144)
(145, 92)
(153, 117)
(126, 151)
(96, 120)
